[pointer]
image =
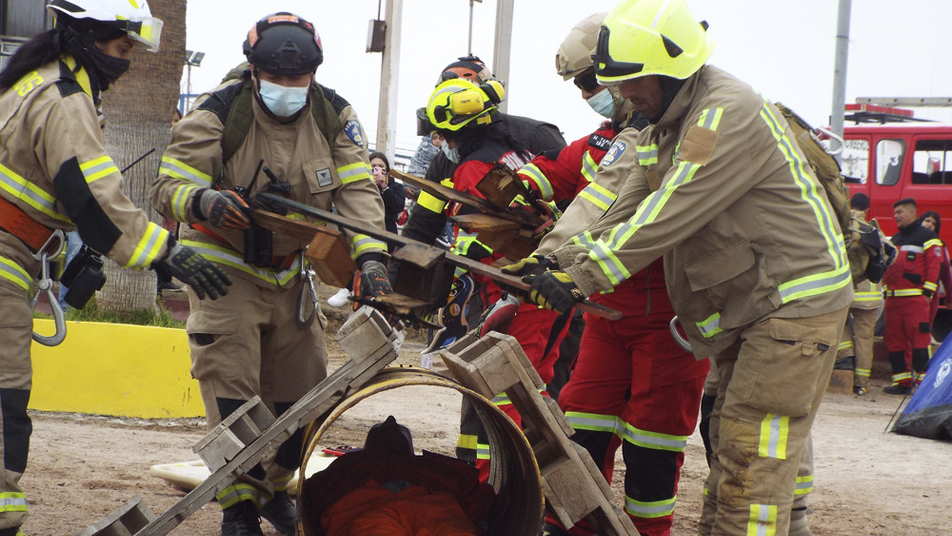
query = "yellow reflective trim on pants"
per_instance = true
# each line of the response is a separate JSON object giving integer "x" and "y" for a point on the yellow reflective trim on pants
{"x": 862, "y": 372}
{"x": 149, "y": 247}
{"x": 98, "y": 168}
{"x": 763, "y": 520}
{"x": 354, "y": 172}
{"x": 650, "y": 509}
{"x": 182, "y": 171}
{"x": 774, "y": 432}
{"x": 655, "y": 440}
{"x": 845, "y": 345}
{"x": 804, "y": 485}
{"x": 12, "y": 271}
{"x": 13, "y": 501}
{"x": 430, "y": 202}
{"x": 237, "y": 492}
{"x": 902, "y": 376}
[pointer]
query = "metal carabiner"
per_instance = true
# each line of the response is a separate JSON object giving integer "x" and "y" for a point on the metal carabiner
{"x": 682, "y": 342}
{"x": 51, "y": 249}
{"x": 305, "y": 319}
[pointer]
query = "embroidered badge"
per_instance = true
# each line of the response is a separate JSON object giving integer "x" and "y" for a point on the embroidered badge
{"x": 353, "y": 131}
{"x": 614, "y": 153}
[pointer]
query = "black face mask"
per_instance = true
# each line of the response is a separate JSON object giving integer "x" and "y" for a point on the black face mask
{"x": 107, "y": 69}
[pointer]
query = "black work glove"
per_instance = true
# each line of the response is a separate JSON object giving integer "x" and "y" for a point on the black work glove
{"x": 192, "y": 269}
{"x": 225, "y": 209}
{"x": 530, "y": 266}
{"x": 373, "y": 279}
{"x": 555, "y": 290}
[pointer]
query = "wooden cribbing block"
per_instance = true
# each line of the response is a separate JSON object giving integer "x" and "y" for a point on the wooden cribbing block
{"x": 234, "y": 433}
{"x": 364, "y": 332}
{"x": 123, "y": 521}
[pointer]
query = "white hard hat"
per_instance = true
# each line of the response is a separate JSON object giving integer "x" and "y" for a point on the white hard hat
{"x": 130, "y": 16}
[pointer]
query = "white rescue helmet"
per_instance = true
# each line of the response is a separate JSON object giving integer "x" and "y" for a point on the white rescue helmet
{"x": 131, "y": 16}
{"x": 575, "y": 54}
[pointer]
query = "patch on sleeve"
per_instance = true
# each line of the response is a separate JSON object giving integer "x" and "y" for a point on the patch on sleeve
{"x": 698, "y": 145}
{"x": 354, "y": 132}
{"x": 599, "y": 142}
{"x": 614, "y": 153}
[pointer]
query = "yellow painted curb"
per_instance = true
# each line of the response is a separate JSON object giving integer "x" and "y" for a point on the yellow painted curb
{"x": 115, "y": 369}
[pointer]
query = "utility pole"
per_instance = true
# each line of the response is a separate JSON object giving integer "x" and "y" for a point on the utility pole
{"x": 389, "y": 75}
{"x": 839, "y": 69}
{"x": 503, "y": 44}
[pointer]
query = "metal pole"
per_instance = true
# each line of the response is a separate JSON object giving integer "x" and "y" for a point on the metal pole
{"x": 469, "y": 44}
{"x": 839, "y": 70}
{"x": 503, "y": 43}
{"x": 389, "y": 71}
{"x": 188, "y": 88}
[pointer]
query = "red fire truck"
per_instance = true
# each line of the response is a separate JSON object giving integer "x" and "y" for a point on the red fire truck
{"x": 890, "y": 155}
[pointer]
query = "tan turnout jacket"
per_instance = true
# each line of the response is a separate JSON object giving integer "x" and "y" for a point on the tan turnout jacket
{"x": 320, "y": 176}
{"x": 54, "y": 168}
{"x": 725, "y": 194}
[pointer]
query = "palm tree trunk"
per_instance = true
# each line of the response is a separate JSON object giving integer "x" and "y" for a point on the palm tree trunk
{"x": 139, "y": 110}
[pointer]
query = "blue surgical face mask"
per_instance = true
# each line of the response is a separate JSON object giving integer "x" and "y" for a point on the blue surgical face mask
{"x": 603, "y": 103}
{"x": 283, "y": 101}
{"x": 451, "y": 154}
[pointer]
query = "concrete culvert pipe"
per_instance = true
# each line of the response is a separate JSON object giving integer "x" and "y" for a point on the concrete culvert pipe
{"x": 518, "y": 506}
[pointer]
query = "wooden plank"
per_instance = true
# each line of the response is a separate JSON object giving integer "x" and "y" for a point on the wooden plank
{"x": 123, "y": 521}
{"x": 484, "y": 222}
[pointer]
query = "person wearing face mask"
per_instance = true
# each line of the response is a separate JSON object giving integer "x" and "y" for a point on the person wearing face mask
{"x": 57, "y": 176}
{"x": 310, "y": 148}
{"x": 629, "y": 374}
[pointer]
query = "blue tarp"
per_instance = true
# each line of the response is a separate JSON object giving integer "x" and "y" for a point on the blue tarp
{"x": 929, "y": 413}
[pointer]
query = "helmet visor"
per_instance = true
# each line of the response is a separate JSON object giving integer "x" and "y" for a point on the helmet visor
{"x": 145, "y": 30}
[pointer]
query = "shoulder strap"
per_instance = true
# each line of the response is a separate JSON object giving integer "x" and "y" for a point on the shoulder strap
{"x": 233, "y": 106}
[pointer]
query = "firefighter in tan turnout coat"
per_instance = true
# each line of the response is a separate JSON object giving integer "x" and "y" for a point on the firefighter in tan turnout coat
{"x": 309, "y": 147}
{"x": 55, "y": 175}
{"x": 753, "y": 258}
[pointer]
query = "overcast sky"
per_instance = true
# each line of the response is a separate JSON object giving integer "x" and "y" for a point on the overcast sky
{"x": 785, "y": 49}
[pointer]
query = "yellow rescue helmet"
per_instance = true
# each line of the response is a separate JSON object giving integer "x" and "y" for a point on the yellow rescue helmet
{"x": 459, "y": 102}
{"x": 650, "y": 37}
{"x": 575, "y": 54}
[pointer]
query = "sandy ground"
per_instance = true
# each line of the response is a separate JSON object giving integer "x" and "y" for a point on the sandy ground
{"x": 868, "y": 482}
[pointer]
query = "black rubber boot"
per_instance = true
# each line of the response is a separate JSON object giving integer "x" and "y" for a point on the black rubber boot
{"x": 280, "y": 512}
{"x": 241, "y": 520}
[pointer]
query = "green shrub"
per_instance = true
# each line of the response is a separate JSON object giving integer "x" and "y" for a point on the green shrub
{"x": 91, "y": 313}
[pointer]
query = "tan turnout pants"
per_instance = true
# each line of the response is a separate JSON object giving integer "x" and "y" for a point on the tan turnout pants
{"x": 772, "y": 381}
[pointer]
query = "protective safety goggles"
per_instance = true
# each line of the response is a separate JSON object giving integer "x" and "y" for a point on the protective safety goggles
{"x": 147, "y": 31}
{"x": 586, "y": 81}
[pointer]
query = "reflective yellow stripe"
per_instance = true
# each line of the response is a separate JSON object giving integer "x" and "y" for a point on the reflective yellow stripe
{"x": 589, "y": 166}
{"x": 804, "y": 485}
{"x": 862, "y": 372}
{"x": 535, "y": 175}
{"x": 774, "y": 431}
{"x": 98, "y": 168}
{"x": 233, "y": 259}
{"x": 431, "y": 203}
{"x": 149, "y": 247}
{"x": 354, "y": 172}
{"x": 845, "y": 345}
{"x": 31, "y": 194}
{"x": 902, "y": 376}
{"x": 239, "y": 491}
{"x": 12, "y": 271}
{"x": 647, "y": 154}
{"x": 12, "y": 501}
{"x": 361, "y": 244}
{"x": 813, "y": 285}
{"x": 82, "y": 77}
{"x": 710, "y": 326}
{"x": 763, "y": 520}
{"x": 932, "y": 243}
{"x": 650, "y": 509}
{"x": 182, "y": 171}
{"x": 808, "y": 186}
{"x": 710, "y": 118}
{"x": 598, "y": 196}
{"x": 929, "y": 285}
{"x": 868, "y": 296}
{"x": 180, "y": 201}
{"x": 466, "y": 441}
{"x": 904, "y": 292}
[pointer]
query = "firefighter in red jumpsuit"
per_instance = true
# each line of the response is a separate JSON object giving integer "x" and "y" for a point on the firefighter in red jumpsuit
{"x": 910, "y": 283}
{"x": 632, "y": 385}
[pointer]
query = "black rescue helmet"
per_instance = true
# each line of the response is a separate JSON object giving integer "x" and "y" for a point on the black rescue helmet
{"x": 284, "y": 44}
